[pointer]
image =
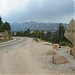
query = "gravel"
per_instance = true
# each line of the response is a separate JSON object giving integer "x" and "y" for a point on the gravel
{"x": 68, "y": 68}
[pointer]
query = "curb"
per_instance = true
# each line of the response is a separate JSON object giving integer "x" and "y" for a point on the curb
{"x": 8, "y": 41}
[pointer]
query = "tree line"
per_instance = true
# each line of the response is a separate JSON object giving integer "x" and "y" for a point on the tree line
{"x": 4, "y": 26}
{"x": 53, "y": 37}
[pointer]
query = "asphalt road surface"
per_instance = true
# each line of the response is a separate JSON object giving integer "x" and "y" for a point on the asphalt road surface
{"x": 16, "y": 57}
{"x": 12, "y": 44}
{"x": 11, "y": 61}
{"x": 22, "y": 57}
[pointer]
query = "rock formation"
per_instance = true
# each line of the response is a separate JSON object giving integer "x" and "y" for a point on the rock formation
{"x": 70, "y": 34}
{"x": 4, "y": 36}
{"x": 56, "y": 59}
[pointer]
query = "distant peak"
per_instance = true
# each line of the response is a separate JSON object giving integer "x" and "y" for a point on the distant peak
{"x": 33, "y": 22}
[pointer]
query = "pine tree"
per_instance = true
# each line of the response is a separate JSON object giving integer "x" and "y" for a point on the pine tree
{"x": 61, "y": 31}
{"x": 6, "y": 26}
{"x": 48, "y": 36}
{"x": 28, "y": 32}
{"x": 1, "y": 23}
{"x": 42, "y": 34}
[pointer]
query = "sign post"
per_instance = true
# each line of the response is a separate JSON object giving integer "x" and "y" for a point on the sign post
{"x": 70, "y": 34}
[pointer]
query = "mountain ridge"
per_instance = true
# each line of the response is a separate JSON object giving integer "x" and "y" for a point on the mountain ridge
{"x": 32, "y": 25}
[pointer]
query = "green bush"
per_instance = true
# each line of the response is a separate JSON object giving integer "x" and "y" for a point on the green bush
{"x": 64, "y": 43}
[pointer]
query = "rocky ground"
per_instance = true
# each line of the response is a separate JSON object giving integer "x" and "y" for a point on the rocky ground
{"x": 42, "y": 48}
{"x": 30, "y": 58}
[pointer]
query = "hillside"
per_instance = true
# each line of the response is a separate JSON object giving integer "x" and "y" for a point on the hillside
{"x": 35, "y": 26}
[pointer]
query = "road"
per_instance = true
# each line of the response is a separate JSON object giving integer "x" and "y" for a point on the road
{"x": 12, "y": 44}
{"x": 17, "y": 58}
{"x": 11, "y": 61}
{"x": 24, "y": 56}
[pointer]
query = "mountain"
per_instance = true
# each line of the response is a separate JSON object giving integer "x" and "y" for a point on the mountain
{"x": 35, "y": 26}
{"x": 15, "y": 26}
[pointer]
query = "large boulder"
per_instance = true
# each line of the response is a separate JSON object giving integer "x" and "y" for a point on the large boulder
{"x": 56, "y": 59}
{"x": 4, "y": 36}
{"x": 70, "y": 34}
{"x": 73, "y": 51}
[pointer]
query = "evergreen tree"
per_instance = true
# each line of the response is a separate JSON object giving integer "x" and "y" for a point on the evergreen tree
{"x": 1, "y": 24}
{"x": 61, "y": 31}
{"x": 42, "y": 34}
{"x": 28, "y": 32}
{"x": 48, "y": 36}
{"x": 6, "y": 26}
{"x": 17, "y": 33}
{"x": 25, "y": 33}
{"x": 54, "y": 37}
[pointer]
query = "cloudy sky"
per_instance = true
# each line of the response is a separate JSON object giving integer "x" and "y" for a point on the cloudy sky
{"x": 37, "y": 10}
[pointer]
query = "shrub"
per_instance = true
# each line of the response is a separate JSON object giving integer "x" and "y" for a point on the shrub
{"x": 64, "y": 43}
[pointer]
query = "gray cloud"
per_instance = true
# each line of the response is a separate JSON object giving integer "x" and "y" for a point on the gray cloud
{"x": 44, "y": 11}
